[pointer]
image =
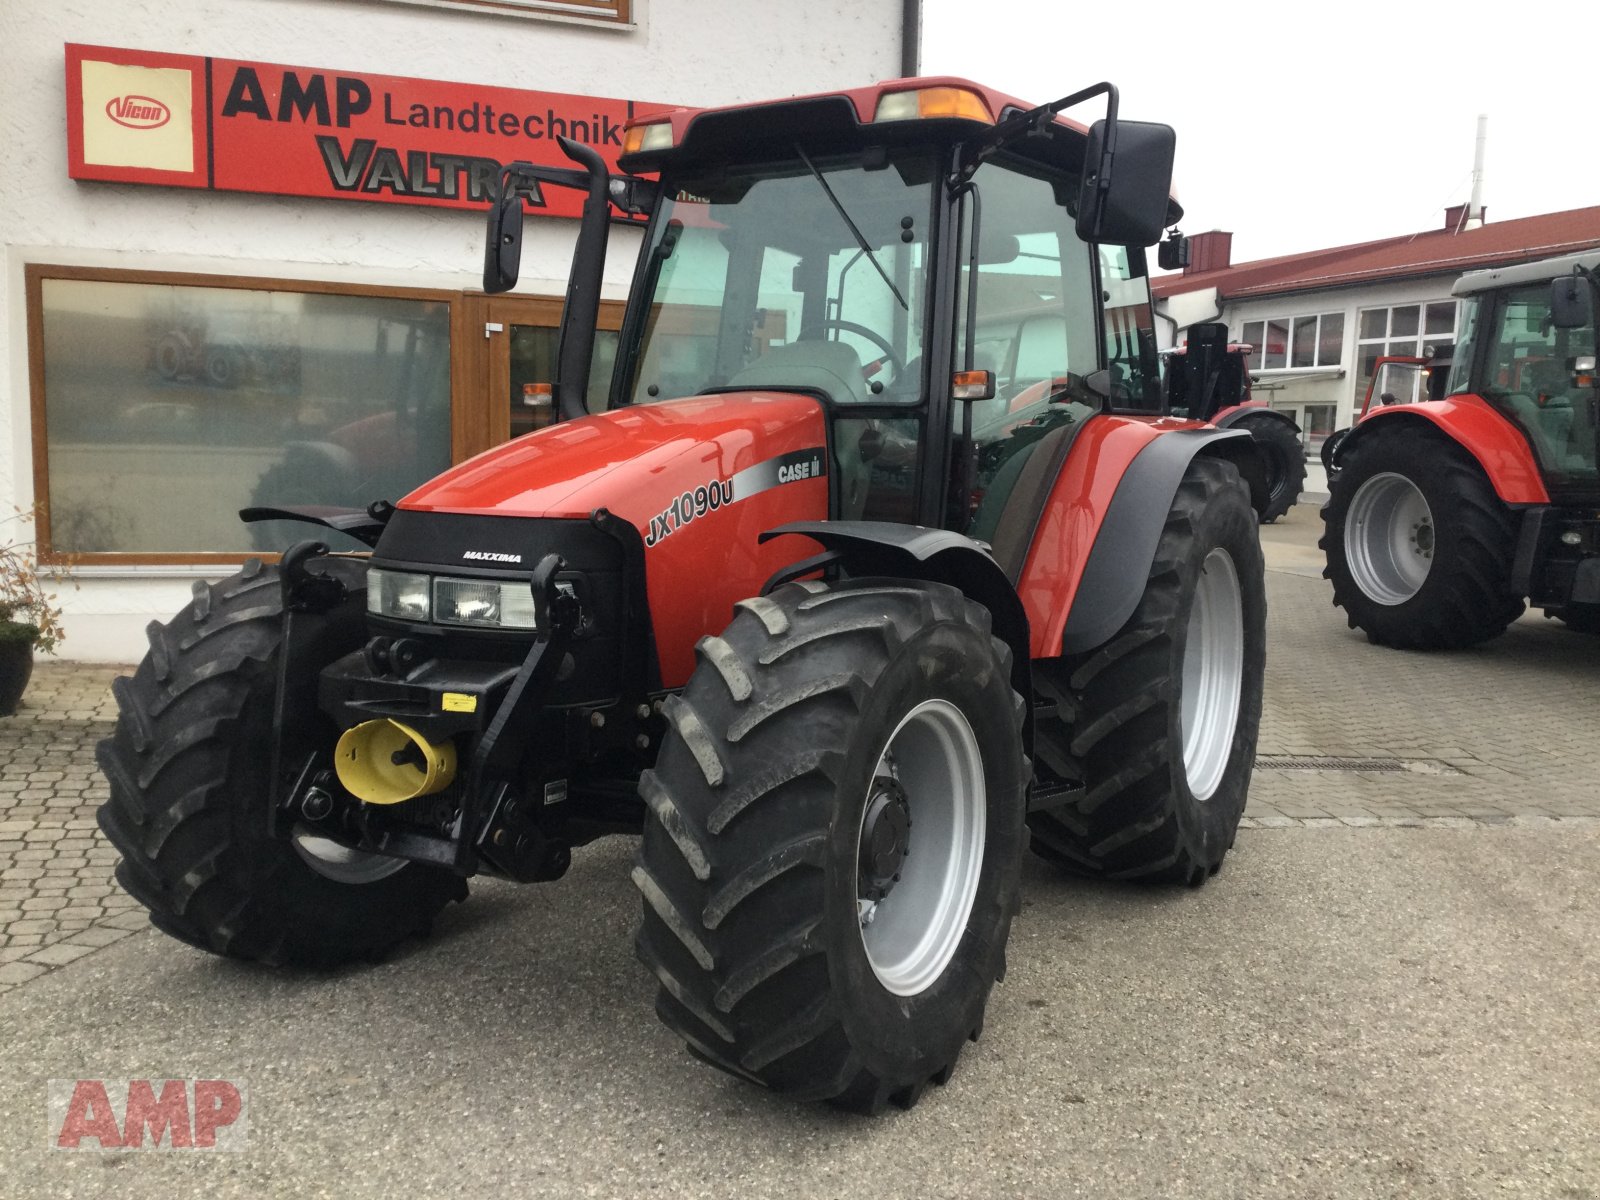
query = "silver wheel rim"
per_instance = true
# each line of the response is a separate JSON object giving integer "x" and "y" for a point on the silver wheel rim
{"x": 912, "y": 933}
{"x": 1213, "y": 674}
{"x": 1389, "y": 539}
{"x": 340, "y": 863}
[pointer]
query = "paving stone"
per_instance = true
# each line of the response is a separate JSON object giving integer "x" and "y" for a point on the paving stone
{"x": 20, "y": 972}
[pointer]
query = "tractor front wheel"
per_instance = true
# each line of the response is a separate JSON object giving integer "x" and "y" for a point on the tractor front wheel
{"x": 830, "y": 865}
{"x": 1418, "y": 545}
{"x": 188, "y": 765}
{"x": 1160, "y": 722}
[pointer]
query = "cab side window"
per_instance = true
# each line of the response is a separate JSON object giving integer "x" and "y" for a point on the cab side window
{"x": 1130, "y": 330}
{"x": 1035, "y": 328}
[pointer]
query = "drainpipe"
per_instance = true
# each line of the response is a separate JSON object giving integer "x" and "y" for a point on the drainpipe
{"x": 910, "y": 37}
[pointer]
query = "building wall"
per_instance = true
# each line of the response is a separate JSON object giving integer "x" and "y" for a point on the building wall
{"x": 1319, "y": 385}
{"x": 694, "y": 52}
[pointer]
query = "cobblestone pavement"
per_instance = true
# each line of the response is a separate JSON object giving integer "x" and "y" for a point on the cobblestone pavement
{"x": 1503, "y": 734}
{"x": 58, "y": 901}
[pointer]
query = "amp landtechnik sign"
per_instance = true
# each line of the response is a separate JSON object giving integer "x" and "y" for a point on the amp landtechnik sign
{"x": 181, "y": 120}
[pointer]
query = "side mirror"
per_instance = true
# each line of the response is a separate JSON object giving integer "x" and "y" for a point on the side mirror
{"x": 1570, "y": 306}
{"x": 1126, "y": 205}
{"x": 1173, "y": 254}
{"x": 502, "y": 247}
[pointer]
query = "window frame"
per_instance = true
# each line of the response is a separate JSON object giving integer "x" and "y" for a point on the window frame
{"x": 1420, "y": 341}
{"x": 1291, "y": 324}
{"x": 463, "y": 426}
{"x": 613, "y": 14}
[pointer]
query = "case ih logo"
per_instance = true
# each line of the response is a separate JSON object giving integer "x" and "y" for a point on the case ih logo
{"x": 138, "y": 112}
{"x": 148, "y": 1114}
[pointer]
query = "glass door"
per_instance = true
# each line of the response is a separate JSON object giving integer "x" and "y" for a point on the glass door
{"x": 519, "y": 364}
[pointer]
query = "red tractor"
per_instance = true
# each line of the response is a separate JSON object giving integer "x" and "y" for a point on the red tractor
{"x": 1447, "y": 515}
{"x": 818, "y": 604}
{"x": 1208, "y": 379}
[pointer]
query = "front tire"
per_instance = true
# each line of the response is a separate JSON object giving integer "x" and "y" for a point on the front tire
{"x": 1286, "y": 463}
{"x": 830, "y": 866}
{"x": 188, "y": 766}
{"x": 1418, "y": 546}
{"x": 1160, "y": 722}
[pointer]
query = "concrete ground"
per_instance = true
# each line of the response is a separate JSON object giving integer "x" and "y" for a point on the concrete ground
{"x": 1387, "y": 992}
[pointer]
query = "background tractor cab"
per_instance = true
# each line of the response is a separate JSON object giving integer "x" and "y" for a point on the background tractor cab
{"x": 1208, "y": 379}
{"x": 1396, "y": 379}
{"x": 881, "y": 562}
{"x": 1449, "y": 512}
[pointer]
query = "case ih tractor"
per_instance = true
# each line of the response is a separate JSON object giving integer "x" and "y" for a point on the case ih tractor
{"x": 838, "y": 619}
{"x": 1208, "y": 379}
{"x": 1445, "y": 516}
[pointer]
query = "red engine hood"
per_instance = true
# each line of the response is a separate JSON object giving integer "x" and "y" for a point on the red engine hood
{"x": 619, "y": 460}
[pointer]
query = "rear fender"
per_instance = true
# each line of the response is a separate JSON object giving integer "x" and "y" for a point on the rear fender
{"x": 1498, "y": 445}
{"x": 1114, "y": 499}
{"x": 936, "y": 555}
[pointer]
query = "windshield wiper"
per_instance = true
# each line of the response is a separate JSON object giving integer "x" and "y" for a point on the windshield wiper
{"x": 845, "y": 217}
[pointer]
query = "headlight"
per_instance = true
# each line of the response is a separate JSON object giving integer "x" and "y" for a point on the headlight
{"x": 398, "y": 594}
{"x": 483, "y": 602}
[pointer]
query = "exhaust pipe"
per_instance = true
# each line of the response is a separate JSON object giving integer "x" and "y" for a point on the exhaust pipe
{"x": 385, "y": 762}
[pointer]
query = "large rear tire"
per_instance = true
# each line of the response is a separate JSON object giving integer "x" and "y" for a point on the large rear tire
{"x": 1160, "y": 722}
{"x": 1418, "y": 546}
{"x": 1286, "y": 463}
{"x": 188, "y": 767}
{"x": 830, "y": 866}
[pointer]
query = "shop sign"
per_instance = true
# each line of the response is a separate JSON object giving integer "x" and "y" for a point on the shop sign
{"x": 180, "y": 120}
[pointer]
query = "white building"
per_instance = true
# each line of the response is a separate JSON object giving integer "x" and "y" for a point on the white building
{"x": 1320, "y": 319}
{"x": 243, "y": 240}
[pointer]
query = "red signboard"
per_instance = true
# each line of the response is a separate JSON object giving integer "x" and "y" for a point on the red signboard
{"x": 136, "y": 116}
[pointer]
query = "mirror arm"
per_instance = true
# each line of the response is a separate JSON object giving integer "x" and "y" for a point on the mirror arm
{"x": 971, "y": 155}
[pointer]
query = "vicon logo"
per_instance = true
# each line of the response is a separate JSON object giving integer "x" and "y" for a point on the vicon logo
{"x": 138, "y": 112}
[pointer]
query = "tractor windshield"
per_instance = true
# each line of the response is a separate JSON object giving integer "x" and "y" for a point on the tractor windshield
{"x": 806, "y": 273}
{"x": 1543, "y": 378}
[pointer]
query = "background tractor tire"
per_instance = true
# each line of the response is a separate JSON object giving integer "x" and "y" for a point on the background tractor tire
{"x": 752, "y": 864}
{"x": 1286, "y": 463}
{"x": 188, "y": 766}
{"x": 1419, "y": 548}
{"x": 1160, "y": 722}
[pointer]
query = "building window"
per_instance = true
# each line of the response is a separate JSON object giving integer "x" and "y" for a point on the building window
{"x": 1295, "y": 342}
{"x": 165, "y": 404}
{"x": 608, "y": 12}
{"x": 1405, "y": 329}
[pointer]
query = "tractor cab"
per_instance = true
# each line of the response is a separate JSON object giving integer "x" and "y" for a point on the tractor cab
{"x": 1530, "y": 352}
{"x": 928, "y": 261}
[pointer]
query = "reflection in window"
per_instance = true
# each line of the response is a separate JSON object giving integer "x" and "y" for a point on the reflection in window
{"x": 169, "y": 408}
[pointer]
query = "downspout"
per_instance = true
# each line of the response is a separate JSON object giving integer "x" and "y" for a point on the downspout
{"x": 910, "y": 37}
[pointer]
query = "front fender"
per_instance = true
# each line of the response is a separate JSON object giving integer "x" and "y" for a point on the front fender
{"x": 936, "y": 555}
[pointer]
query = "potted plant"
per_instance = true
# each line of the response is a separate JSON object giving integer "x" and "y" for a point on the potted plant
{"x": 29, "y": 617}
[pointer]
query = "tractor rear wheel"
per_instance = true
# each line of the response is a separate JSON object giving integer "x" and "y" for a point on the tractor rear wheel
{"x": 1286, "y": 463}
{"x": 830, "y": 864}
{"x": 1160, "y": 722}
{"x": 188, "y": 769}
{"x": 1418, "y": 546}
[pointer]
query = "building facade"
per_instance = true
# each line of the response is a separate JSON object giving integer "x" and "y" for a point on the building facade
{"x": 1320, "y": 320}
{"x": 243, "y": 240}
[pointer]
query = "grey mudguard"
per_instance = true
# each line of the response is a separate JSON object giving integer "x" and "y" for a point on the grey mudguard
{"x": 939, "y": 555}
{"x": 1119, "y": 563}
{"x": 1229, "y": 420}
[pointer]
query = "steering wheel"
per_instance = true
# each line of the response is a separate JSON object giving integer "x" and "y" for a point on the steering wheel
{"x": 890, "y": 358}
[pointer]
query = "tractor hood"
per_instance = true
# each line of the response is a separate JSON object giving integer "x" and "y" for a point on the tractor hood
{"x": 695, "y": 455}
